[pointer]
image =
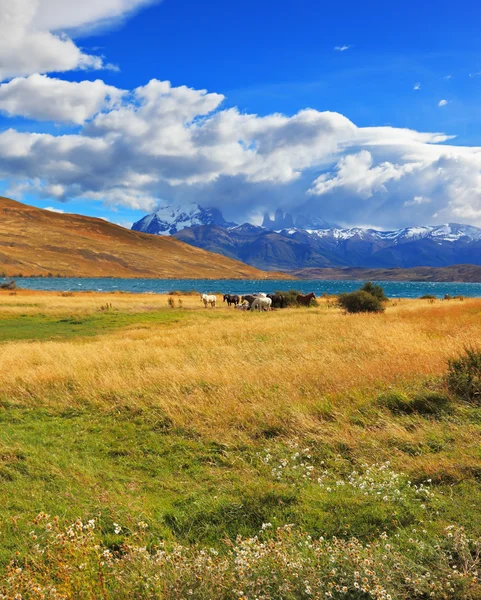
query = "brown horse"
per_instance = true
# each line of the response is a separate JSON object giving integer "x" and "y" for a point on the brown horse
{"x": 305, "y": 300}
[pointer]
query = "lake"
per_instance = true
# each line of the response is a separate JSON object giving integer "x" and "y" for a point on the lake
{"x": 394, "y": 289}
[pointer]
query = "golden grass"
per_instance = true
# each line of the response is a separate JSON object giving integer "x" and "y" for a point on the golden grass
{"x": 232, "y": 375}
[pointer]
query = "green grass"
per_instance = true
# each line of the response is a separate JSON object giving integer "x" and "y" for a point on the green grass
{"x": 128, "y": 467}
{"x": 67, "y": 326}
{"x": 131, "y": 466}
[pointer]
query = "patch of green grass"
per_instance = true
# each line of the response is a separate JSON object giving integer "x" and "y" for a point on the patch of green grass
{"x": 126, "y": 467}
{"x": 63, "y": 327}
{"x": 132, "y": 465}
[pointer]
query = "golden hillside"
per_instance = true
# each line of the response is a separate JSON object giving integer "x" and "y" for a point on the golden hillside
{"x": 38, "y": 242}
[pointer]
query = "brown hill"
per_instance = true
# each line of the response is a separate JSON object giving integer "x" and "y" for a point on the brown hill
{"x": 459, "y": 273}
{"x": 39, "y": 242}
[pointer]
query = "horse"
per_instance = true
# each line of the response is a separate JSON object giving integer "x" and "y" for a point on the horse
{"x": 248, "y": 298}
{"x": 278, "y": 300}
{"x": 242, "y": 307}
{"x": 208, "y": 299}
{"x": 261, "y": 303}
{"x": 305, "y": 300}
{"x": 231, "y": 299}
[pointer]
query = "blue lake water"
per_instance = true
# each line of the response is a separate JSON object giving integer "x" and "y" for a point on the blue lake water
{"x": 394, "y": 289}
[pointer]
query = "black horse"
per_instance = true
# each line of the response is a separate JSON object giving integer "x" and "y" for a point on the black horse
{"x": 231, "y": 299}
{"x": 248, "y": 298}
{"x": 278, "y": 300}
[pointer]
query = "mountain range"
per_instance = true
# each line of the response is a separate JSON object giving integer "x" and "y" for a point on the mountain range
{"x": 289, "y": 244}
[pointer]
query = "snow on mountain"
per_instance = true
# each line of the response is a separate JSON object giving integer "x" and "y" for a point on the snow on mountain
{"x": 169, "y": 219}
{"x": 450, "y": 232}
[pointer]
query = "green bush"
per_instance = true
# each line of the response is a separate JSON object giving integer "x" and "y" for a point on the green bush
{"x": 464, "y": 376}
{"x": 360, "y": 301}
{"x": 374, "y": 290}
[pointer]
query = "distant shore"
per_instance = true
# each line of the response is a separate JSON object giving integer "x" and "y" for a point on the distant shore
{"x": 452, "y": 274}
{"x": 466, "y": 273}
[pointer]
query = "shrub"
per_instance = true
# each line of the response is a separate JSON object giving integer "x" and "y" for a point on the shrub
{"x": 290, "y": 296}
{"x": 374, "y": 290}
{"x": 464, "y": 376}
{"x": 430, "y": 297}
{"x": 360, "y": 301}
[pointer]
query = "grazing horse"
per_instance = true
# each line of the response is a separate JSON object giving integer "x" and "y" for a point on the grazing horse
{"x": 242, "y": 307}
{"x": 231, "y": 299}
{"x": 278, "y": 300}
{"x": 208, "y": 299}
{"x": 248, "y": 298}
{"x": 305, "y": 300}
{"x": 261, "y": 303}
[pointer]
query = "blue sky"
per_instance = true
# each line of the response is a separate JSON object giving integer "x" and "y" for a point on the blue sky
{"x": 409, "y": 65}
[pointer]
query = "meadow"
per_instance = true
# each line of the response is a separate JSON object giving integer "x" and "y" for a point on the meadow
{"x": 156, "y": 452}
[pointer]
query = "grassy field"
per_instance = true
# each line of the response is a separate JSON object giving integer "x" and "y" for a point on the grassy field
{"x": 178, "y": 430}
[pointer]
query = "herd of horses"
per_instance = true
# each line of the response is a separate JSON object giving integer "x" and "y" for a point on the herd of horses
{"x": 258, "y": 302}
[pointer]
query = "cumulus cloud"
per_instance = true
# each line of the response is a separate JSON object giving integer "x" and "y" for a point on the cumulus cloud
{"x": 341, "y": 48}
{"x": 417, "y": 86}
{"x": 160, "y": 142}
{"x": 44, "y": 99}
{"x": 33, "y": 33}
{"x": 357, "y": 173}
{"x": 442, "y": 103}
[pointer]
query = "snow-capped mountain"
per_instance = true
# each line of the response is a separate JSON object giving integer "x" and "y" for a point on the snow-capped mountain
{"x": 450, "y": 232}
{"x": 170, "y": 219}
{"x": 307, "y": 242}
{"x": 296, "y": 248}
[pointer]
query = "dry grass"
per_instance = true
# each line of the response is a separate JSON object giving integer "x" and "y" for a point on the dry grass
{"x": 206, "y": 424}
{"x": 230, "y": 375}
{"x": 38, "y": 242}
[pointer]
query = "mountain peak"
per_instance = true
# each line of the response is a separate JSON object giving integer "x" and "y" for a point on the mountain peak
{"x": 280, "y": 220}
{"x": 169, "y": 219}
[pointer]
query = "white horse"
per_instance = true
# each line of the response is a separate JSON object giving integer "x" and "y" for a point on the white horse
{"x": 208, "y": 299}
{"x": 242, "y": 306}
{"x": 261, "y": 303}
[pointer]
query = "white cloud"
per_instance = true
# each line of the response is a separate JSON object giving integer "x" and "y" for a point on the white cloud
{"x": 65, "y": 15}
{"x": 417, "y": 86}
{"x": 44, "y": 99}
{"x": 341, "y": 48}
{"x": 33, "y": 38}
{"x": 357, "y": 174}
{"x": 160, "y": 142}
{"x": 417, "y": 200}
{"x": 442, "y": 103}
{"x": 55, "y": 210}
